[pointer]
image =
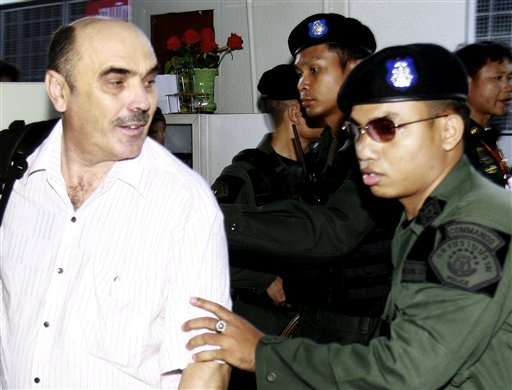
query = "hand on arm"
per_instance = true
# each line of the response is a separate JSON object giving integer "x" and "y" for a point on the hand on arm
{"x": 237, "y": 343}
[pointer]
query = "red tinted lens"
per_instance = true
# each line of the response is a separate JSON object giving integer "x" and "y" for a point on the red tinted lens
{"x": 381, "y": 129}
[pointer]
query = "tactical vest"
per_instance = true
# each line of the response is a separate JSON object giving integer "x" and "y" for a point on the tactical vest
{"x": 271, "y": 179}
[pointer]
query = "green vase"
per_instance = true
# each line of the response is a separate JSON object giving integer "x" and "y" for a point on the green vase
{"x": 204, "y": 89}
{"x": 186, "y": 90}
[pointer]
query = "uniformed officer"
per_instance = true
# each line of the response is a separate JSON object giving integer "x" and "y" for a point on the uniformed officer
{"x": 449, "y": 308}
{"x": 272, "y": 171}
{"x": 341, "y": 247}
{"x": 489, "y": 68}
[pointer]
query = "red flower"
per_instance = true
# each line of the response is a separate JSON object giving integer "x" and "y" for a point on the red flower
{"x": 235, "y": 42}
{"x": 173, "y": 43}
{"x": 198, "y": 49}
{"x": 208, "y": 47}
{"x": 208, "y": 44}
{"x": 207, "y": 34}
{"x": 191, "y": 37}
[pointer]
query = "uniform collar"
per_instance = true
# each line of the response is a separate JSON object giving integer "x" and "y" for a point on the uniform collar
{"x": 457, "y": 182}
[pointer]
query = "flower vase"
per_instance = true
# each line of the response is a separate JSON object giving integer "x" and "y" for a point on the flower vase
{"x": 204, "y": 89}
{"x": 186, "y": 90}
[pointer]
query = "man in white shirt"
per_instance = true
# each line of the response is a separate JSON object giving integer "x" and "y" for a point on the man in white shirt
{"x": 107, "y": 235}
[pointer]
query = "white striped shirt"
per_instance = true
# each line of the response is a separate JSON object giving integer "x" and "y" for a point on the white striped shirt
{"x": 96, "y": 297}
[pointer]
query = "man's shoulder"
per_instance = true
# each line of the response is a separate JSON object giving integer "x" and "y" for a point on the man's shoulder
{"x": 168, "y": 170}
{"x": 487, "y": 203}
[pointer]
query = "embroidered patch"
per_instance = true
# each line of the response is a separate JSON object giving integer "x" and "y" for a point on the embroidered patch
{"x": 318, "y": 28}
{"x": 401, "y": 73}
{"x": 226, "y": 188}
{"x": 430, "y": 210}
{"x": 467, "y": 258}
{"x": 414, "y": 272}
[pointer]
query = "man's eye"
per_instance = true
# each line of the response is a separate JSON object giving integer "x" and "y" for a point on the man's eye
{"x": 315, "y": 69}
{"x": 115, "y": 82}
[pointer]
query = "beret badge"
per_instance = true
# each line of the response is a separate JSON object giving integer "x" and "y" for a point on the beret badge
{"x": 318, "y": 28}
{"x": 401, "y": 73}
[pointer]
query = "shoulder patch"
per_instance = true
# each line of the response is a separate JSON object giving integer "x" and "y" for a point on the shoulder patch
{"x": 470, "y": 257}
{"x": 226, "y": 188}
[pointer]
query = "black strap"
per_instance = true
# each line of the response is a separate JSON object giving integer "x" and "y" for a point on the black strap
{"x": 16, "y": 144}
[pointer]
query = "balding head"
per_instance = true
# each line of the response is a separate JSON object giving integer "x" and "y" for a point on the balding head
{"x": 68, "y": 42}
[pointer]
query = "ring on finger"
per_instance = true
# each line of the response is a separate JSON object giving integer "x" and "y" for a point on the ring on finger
{"x": 220, "y": 326}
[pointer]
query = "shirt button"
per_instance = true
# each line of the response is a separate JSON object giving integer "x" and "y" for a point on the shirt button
{"x": 233, "y": 227}
{"x": 60, "y": 270}
{"x": 37, "y": 380}
{"x": 271, "y": 376}
{"x": 46, "y": 324}
{"x": 73, "y": 219}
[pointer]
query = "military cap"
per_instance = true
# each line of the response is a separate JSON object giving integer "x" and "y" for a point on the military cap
{"x": 331, "y": 28}
{"x": 279, "y": 83}
{"x": 420, "y": 71}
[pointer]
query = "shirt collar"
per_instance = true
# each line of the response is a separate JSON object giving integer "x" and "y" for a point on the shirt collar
{"x": 48, "y": 158}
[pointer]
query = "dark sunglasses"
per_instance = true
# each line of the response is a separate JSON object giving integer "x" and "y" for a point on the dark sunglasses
{"x": 380, "y": 129}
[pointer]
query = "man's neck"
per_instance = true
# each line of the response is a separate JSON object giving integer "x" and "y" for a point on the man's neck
{"x": 283, "y": 143}
{"x": 483, "y": 120}
{"x": 335, "y": 122}
{"x": 81, "y": 177}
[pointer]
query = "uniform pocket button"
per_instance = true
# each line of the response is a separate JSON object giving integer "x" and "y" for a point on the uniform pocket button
{"x": 271, "y": 377}
{"x": 233, "y": 227}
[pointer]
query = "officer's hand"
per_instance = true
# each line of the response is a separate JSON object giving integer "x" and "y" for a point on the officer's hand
{"x": 237, "y": 339}
{"x": 276, "y": 292}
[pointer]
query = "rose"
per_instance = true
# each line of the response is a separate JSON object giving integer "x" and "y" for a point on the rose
{"x": 208, "y": 44}
{"x": 191, "y": 37}
{"x": 207, "y": 34}
{"x": 198, "y": 49}
{"x": 235, "y": 42}
{"x": 173, "y": 43}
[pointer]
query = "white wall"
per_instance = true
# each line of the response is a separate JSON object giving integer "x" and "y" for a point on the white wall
{"x": 24, "y": 101}
{"x": 265, "y": 25}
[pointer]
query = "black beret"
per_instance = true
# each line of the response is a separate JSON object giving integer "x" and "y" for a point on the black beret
{"x": 279, "y": 83}
{"x": 331, "y": 28}
{"x": 419, "y": 71}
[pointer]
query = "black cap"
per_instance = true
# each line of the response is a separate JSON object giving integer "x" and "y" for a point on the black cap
{"x": 419, "y": 71}
{"x": 279, "y": 83}
{"x": 331, "y": 28}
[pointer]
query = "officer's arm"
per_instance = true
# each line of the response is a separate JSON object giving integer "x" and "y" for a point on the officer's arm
{"x": 436, "y": 338}
{"x": 293, "y": 229}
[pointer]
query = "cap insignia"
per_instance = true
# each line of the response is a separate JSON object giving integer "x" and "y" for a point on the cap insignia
{"x": 318, "y": 28}
{"x": 401, "y": 73}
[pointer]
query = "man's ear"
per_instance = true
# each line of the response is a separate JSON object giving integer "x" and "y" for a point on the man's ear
{"x": 452, "y": 132}
{"x": 293, "y": 112}
{"x": 57, "y": 89}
